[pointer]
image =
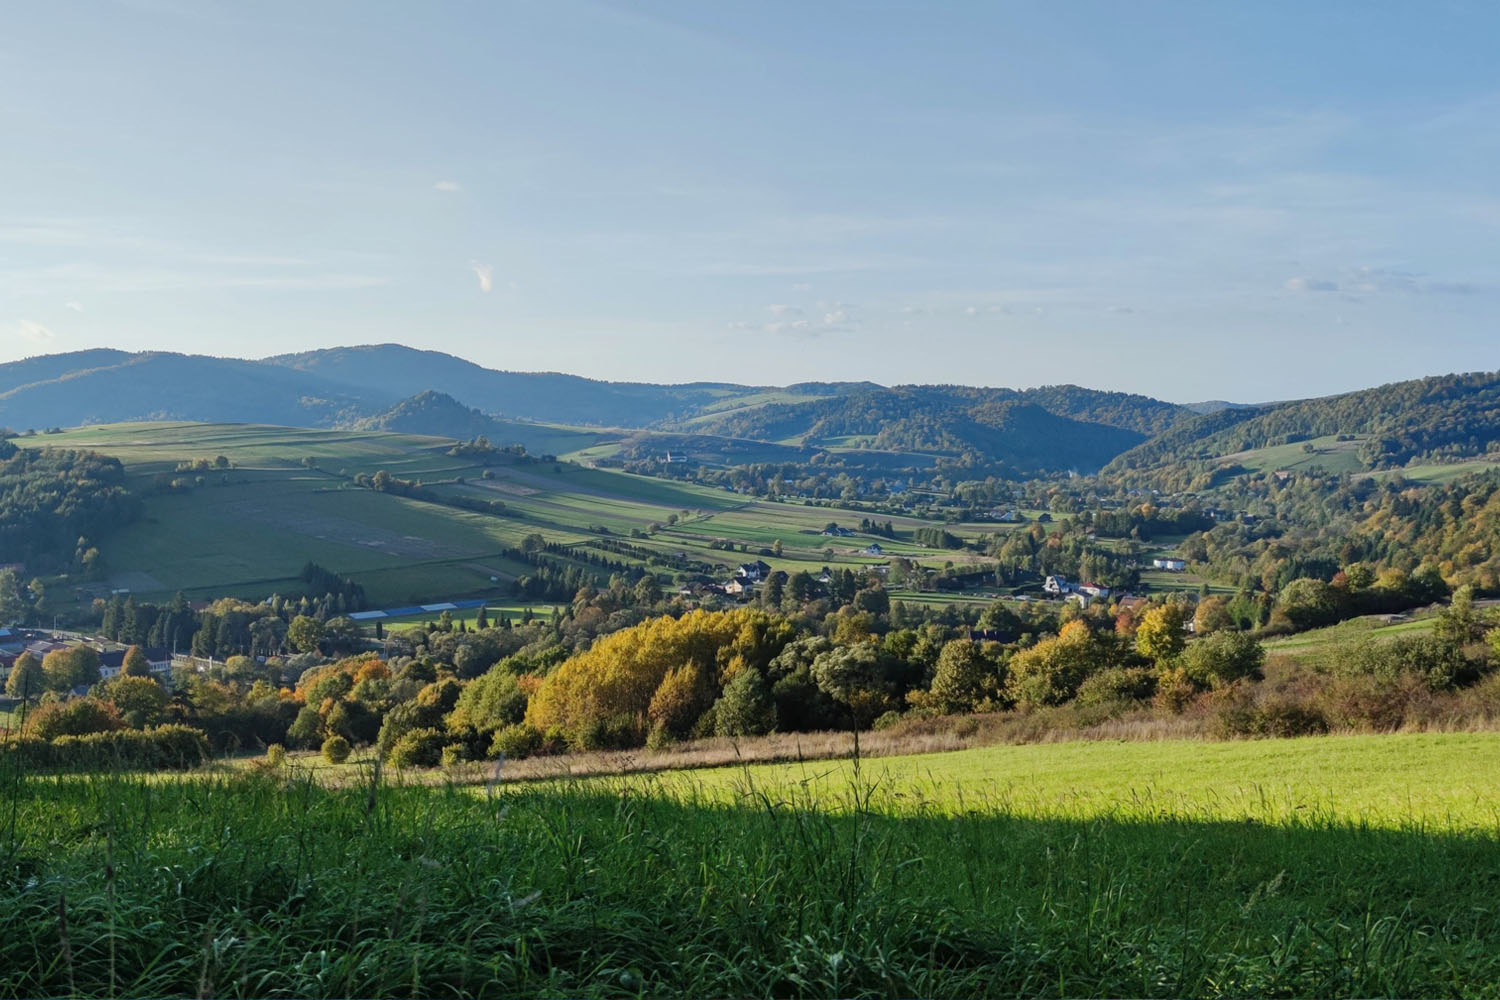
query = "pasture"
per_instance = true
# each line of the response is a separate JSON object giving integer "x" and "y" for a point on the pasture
{"x": 1341, "y": 866}
{"x": 287, "y": 497}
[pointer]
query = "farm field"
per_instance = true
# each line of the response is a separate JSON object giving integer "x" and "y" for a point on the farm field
{"x": 287, "y": 498}
{"x": 1320, "y": 647}
{"x": 1336, "y": 866}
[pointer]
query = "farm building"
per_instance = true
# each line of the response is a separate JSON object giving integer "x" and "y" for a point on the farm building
{"x": 1170, "y": 565}
{"x": 753, "y": 572}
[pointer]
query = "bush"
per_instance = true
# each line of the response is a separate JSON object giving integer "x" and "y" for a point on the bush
{"x": 1175, "y": 691}
{"x": 516, "y": 742}
{"x": 454, "y": 754}
{"x": 1117, "y": 686}
{"x": 275, "y": 755}
{"x": 158, "y": 749}
{"x": 1223, "y": 658}
{"x": 418, "y": 748}
{"x": 1441, "y": 665}
{"x": 336, "y": 749}
{"x": 1275, "y": 718}
{"x": 76, "y": 717}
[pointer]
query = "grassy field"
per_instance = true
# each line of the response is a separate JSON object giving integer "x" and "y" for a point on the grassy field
{"x": 1321, "y": 646}
{"x": 288, "y": 498}
{"x": 1329, "y": 454}
{"x": 1319, "y": 867}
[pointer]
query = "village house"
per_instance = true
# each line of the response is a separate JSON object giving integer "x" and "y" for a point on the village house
{"x": 753, "y": 572}
{"x": 112, "y": 661}
{"x": 1057, "y": 586}
{"x": 1169, "y": 564}
{"x": 873, "y": 549}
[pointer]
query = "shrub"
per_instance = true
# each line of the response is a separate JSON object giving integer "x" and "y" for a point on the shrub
{"x": 1222, "y": 658}
{"x": 516, "y": 742}
{"x": 1272, "y": 718}
{"x": 1175, "y": 691}
{"x": 1117, "y": 686}
{"x": 660, "y": 738}
{"x": 454, "y": 754}
{"x": 275, "y": 755}
{"x": 161, "y": 748}
{"x": 1441, "y": 665}
{"x": 745, "y": 708}
{"x": 336, "y": 749}
{"x": 418, "y": 748}
{"x": 77, "y": 717}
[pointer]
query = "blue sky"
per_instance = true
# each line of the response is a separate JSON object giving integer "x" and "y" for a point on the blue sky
{"x": 1190, "y": 200}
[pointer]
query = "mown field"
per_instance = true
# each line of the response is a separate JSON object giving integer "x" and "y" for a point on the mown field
{"x": 288, "y": 498}
{"x": 1319, "y": 867}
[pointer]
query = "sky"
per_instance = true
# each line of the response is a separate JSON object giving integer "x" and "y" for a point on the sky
{"x": 1243, "y": 201}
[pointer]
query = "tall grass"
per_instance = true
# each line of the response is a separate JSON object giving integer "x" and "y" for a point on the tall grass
{"x": 267, "y": 885}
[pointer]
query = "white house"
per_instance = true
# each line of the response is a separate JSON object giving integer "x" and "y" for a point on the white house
{"x": 1057, "y": 586}
{"x": 1170, "y": 565}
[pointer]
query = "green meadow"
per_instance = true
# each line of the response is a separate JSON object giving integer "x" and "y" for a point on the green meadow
{"x": 1329, "y": 867}
{"x": 288, "y": 497}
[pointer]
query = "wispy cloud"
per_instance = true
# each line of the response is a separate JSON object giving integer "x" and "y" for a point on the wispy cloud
{"x": 1362, "y": 281}
{"x": 448, "y": 186}
{"x": 794, "y": 321}
{"x": 486, "y": 275}
{"x": 30, "y": 330}
{"x": 1304, "y": 284}
{"x": 75, "y": 306}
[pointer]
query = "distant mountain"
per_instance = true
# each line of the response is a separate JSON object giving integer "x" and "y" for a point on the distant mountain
{"x": 1441, "y": 417}
{"x": 1063, "y": 427}
{"x": 51, "y": 366}
{"x": 398, "y": 372}
{"x": 1215, "y": 405}
{"x": 108, "y": 387}
{"x": 1052, "y": 428}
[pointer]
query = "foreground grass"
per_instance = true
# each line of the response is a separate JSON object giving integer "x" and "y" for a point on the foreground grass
{"x": 773, "y": 882}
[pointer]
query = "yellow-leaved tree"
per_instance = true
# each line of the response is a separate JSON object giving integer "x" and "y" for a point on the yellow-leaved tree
{"x": 608, "y": 694}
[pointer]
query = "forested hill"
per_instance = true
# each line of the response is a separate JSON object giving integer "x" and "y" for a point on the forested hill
{"x": 97, "y": 387}
{"x": 1439, "y": 418}
{"x": 397, "y": 372}
{"x": 1052, "y": 427}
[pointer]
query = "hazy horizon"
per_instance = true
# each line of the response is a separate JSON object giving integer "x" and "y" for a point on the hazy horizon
{"x": 1185, "y": 201}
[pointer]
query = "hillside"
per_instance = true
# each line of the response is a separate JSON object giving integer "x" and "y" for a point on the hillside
{"x": 1440, "y": 418}
{"x": 400, "y": 371}
{"x": 448, "y": 524}
{"x": 1054, "y": 428}
{"x": 108, "y": 387}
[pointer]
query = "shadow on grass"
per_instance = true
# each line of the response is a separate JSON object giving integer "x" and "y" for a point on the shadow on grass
{"x": 248, "y": 886}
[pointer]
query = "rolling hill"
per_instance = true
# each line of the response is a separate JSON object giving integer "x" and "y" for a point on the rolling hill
{"x": 1441, "y": 418}
{"x": 391, "y": 387}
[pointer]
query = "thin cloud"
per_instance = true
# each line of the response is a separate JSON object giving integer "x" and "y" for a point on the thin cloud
{"x": 75, "y": 306}
{"x": 1302, "y": 284}
{"x": 486, "y": 276}
{"x": 448, "y": 186}
{"x": 33, "y": 331}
